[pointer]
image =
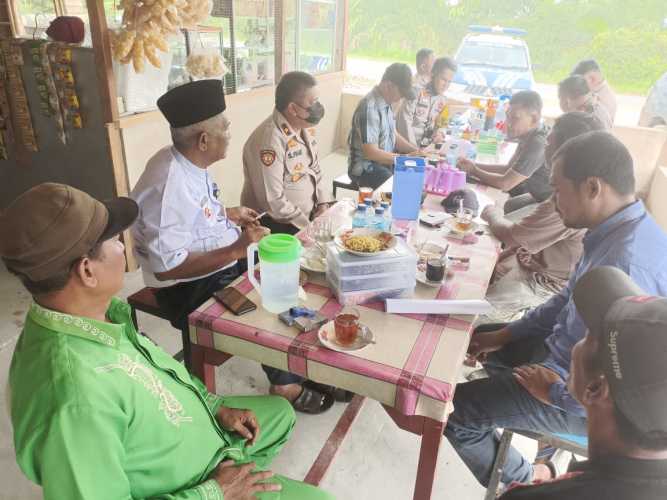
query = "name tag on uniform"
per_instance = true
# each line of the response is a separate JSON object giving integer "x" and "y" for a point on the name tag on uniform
{"x": 294, "y": 154}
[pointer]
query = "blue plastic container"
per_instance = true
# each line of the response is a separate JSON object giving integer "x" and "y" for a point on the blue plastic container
{"x": 408, "y": 185}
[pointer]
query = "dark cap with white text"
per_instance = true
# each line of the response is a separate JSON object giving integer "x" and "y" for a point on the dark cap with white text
{"x": 632, "y": 328}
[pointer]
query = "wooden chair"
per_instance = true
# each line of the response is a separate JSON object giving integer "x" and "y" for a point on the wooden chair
{"x": 344, "y": 182}
{"x": 569, "y": 442}
{"x": 145, "y": 301}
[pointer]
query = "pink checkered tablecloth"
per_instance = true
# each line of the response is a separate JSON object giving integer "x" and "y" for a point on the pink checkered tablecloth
{"x": 417, "y": 359}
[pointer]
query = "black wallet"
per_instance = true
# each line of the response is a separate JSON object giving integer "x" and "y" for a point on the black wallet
{"x": 234, "y": 300}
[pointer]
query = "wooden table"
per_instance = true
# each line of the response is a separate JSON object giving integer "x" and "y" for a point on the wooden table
{"x": 413, "y": 368}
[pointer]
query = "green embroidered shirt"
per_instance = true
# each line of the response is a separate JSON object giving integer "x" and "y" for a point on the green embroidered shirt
{"x": 100, "y": 413}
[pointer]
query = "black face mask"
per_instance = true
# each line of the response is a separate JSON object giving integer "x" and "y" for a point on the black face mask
{"x": 315, "y": 112}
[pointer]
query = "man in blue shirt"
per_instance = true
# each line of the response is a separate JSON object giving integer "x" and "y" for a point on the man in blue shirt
{"x": 373, "y": 139}
{"x": 528, "y": 360}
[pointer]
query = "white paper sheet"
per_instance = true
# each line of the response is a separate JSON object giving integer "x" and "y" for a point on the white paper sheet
{"x": 472, "y": 307}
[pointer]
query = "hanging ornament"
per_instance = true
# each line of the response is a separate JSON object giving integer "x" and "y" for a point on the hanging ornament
{"x": 60, "y": 56}
{"x": 49, "y": 101}
{"x": 205, "y": 62}
{"x": 17, "y": 97}
{"x": 147, "y": 24}
{"x": 5, "y": 110}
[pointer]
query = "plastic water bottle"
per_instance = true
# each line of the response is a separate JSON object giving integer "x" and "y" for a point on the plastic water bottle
{"x": 387, "y": 215}
{"x": 368, "y": 202}
{"x": 471, "y": 151}
{"x": 501, "y": 118}
{"x": 360, "y": 218}
{"x": 453, "y": 154}
{"x": 377, "y": 222}
{"x": 387, "y": 209}
{"x": 456, "y": 126}
{"x": 477, "y": 119}
{"x": 490, "y": 119}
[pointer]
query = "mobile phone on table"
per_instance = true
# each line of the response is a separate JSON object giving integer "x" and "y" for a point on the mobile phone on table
{"x": 433, "y": 219}
{"x": 234, "y": 300}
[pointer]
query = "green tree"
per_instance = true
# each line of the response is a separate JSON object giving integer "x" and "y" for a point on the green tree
{"x": 624, "y": 36}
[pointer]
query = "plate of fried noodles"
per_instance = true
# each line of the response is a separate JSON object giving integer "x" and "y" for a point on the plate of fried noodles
{"x": 365, "y": 242}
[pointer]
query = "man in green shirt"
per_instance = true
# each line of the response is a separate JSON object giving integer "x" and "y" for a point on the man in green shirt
{"x": 99, "y": 412}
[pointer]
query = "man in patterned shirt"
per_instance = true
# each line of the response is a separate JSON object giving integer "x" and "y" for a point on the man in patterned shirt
{"x": 373, "y": 140}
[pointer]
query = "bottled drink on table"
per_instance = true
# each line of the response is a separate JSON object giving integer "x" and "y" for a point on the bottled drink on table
{"x": 369, "y": 207}
{"x": 456, "y": 126}
{"x": 490, "y": 120}
{"x": 476, "y": 123}
{"x": 378, "y": 222}
{"x": 387, "y": 210}
{"x": 360, "y": 219}
{"x": 453, "y": 154}
{"x": 501, "y": 118}
{"x": 443, "y": 118}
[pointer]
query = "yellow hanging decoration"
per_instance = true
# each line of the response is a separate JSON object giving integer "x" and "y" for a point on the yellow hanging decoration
{"x": 148, "y": 23}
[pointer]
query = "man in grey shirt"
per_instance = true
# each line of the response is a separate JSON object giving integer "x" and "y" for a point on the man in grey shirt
{"x": 373, "y": 140}
{"x": 526, "y": 178}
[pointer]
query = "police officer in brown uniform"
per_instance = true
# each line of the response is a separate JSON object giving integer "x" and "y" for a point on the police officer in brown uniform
{"x": 281, "y": 167}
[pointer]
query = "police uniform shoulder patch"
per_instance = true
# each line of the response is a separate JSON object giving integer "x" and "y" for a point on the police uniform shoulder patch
{"x": 285, "y": 128}
{"x": 268, "y": 156}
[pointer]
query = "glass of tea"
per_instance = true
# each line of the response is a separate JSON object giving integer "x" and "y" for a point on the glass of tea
{"x": 365, "y": 192}
{"x": 464, "y": 218}
{"x": 346, "y": 324}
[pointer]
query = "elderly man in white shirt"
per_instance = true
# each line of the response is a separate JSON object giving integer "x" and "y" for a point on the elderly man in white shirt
{"x": 187, "y": 243}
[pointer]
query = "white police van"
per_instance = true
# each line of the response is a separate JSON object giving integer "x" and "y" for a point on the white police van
{"x": 493, "y": 61}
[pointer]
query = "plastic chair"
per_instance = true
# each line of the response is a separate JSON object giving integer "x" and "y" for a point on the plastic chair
{"x": 344, "y": 182}
{"x": 569, "y": 442}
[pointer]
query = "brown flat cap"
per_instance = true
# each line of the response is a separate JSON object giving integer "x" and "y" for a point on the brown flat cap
{"x": 48, "y": 227}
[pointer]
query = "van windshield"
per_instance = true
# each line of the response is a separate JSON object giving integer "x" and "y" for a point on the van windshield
{"x": 487, "y": 54}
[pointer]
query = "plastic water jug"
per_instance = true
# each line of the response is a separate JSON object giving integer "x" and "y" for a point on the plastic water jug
{"x": 408, "y": 186}
{"x": 278, "y": 271}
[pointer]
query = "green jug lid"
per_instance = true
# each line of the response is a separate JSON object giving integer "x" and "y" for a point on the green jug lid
{"x": 279, "y": 248}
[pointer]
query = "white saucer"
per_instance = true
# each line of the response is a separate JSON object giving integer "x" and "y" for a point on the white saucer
{"x": 327, "y": 337}
{"x": 312, "y": 260}
{"x": 451, "y": 225}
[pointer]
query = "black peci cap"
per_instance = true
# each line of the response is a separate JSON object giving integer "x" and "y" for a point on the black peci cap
{"x": 192, "y": 103}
